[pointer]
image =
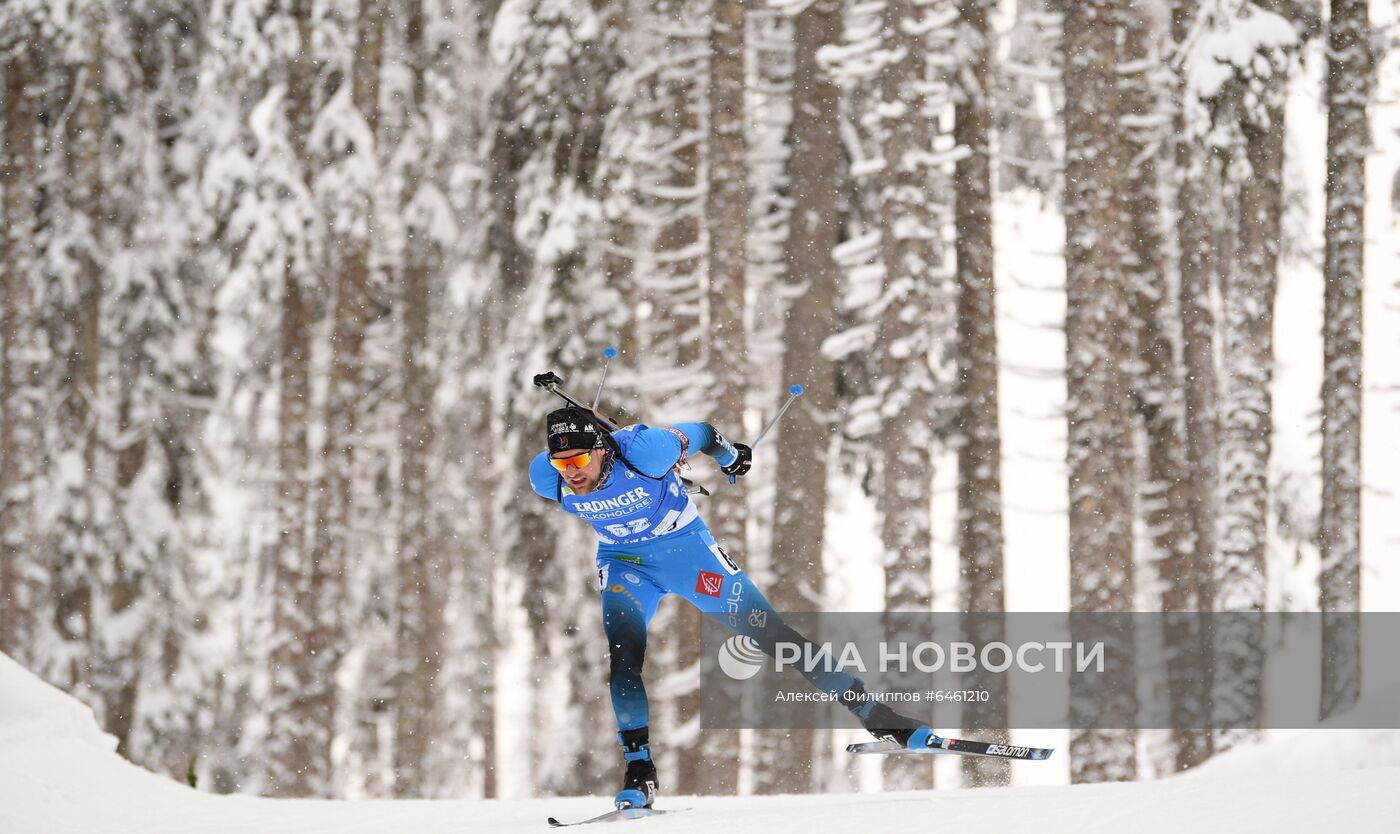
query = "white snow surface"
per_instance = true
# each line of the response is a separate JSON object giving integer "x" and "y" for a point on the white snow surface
{"x": 59, "y": 773}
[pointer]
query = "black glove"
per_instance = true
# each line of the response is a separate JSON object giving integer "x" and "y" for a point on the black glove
{"x": 742, "y": 461}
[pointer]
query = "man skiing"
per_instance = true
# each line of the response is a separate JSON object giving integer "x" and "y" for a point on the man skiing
{"x": 652, "y": 542}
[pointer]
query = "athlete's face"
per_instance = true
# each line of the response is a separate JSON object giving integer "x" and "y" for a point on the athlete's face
{"x": 584, "y": 480}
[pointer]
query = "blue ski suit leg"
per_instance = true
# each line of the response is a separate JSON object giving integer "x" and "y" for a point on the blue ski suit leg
{"x": 632, "y": 580}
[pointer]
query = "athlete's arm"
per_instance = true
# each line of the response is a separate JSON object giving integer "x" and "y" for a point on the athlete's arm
{"x": 543, "y": 477}
{"x": 656, "y": 451}
{"x": 704, "y": 437}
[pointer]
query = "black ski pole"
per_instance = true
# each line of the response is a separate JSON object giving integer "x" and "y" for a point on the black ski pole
{"x": 551, "y": 382}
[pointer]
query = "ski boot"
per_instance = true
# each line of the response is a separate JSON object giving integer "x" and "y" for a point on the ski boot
{"x": 639, "y": 783}
{"x": 883, "y": 722}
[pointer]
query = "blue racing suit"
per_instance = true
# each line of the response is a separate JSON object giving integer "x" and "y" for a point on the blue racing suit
{"x": 652, "y": 542}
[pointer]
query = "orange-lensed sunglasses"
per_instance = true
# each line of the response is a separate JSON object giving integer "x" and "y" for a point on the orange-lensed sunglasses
{"x": 579, "y": 461}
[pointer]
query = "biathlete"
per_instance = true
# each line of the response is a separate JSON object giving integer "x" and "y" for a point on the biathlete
{"x": 652, "y": 542}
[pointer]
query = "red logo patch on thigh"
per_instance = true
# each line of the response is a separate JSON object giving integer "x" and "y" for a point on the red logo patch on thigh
{"x": 709, "y": 584}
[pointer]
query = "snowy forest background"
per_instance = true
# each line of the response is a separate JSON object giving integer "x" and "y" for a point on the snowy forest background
{"x": 1075, "y": 289}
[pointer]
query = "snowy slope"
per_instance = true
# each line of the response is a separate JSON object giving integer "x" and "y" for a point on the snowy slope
{"x": 58, "y": 773}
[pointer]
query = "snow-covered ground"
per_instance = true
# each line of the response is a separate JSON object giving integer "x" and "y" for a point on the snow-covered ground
{"x": 59, "y": 773}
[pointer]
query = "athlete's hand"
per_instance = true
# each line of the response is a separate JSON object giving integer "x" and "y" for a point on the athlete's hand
{"x": 743, "y": 459}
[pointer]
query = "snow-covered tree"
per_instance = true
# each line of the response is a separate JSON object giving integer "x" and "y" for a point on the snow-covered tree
{"x": 770, "y": 117}
{"x": 784, "y": 764}
{"x": 980, "y": 537}
{"x": 346, "y": 154}
{"x": 22, "y": 593}
{"x": 1028, "y": 104}
{"x": 670, "y": 206}
{"x": 710, "y": 763}
{"x": 1238, "y": 68}
{"x": 274, "y": 275}
{"x": 1156, "y": 376}
{"x": 891, "y": 66}
{"x": 160, "y": 315}
{"x": 1101, "y": 483}
{"x": 464, "y": 474}
{"x": 558, "y": 60}
{"x": 1197, "y": 206}
{"x": 307, "y": 642}
{"x": 1350, "y": 78}
{"x": 422, "y": 552}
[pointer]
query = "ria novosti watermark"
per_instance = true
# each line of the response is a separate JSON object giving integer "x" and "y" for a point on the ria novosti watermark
{"x": 1106, "y": 671}
{"x": 741, "y": 657}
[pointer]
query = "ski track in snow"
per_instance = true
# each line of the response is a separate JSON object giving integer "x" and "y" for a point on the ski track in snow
{"x": 61, "y": 788}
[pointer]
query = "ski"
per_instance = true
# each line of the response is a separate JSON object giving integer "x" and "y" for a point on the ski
{"x": 957, "y": 746}
{"x": 618, "y": 815}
